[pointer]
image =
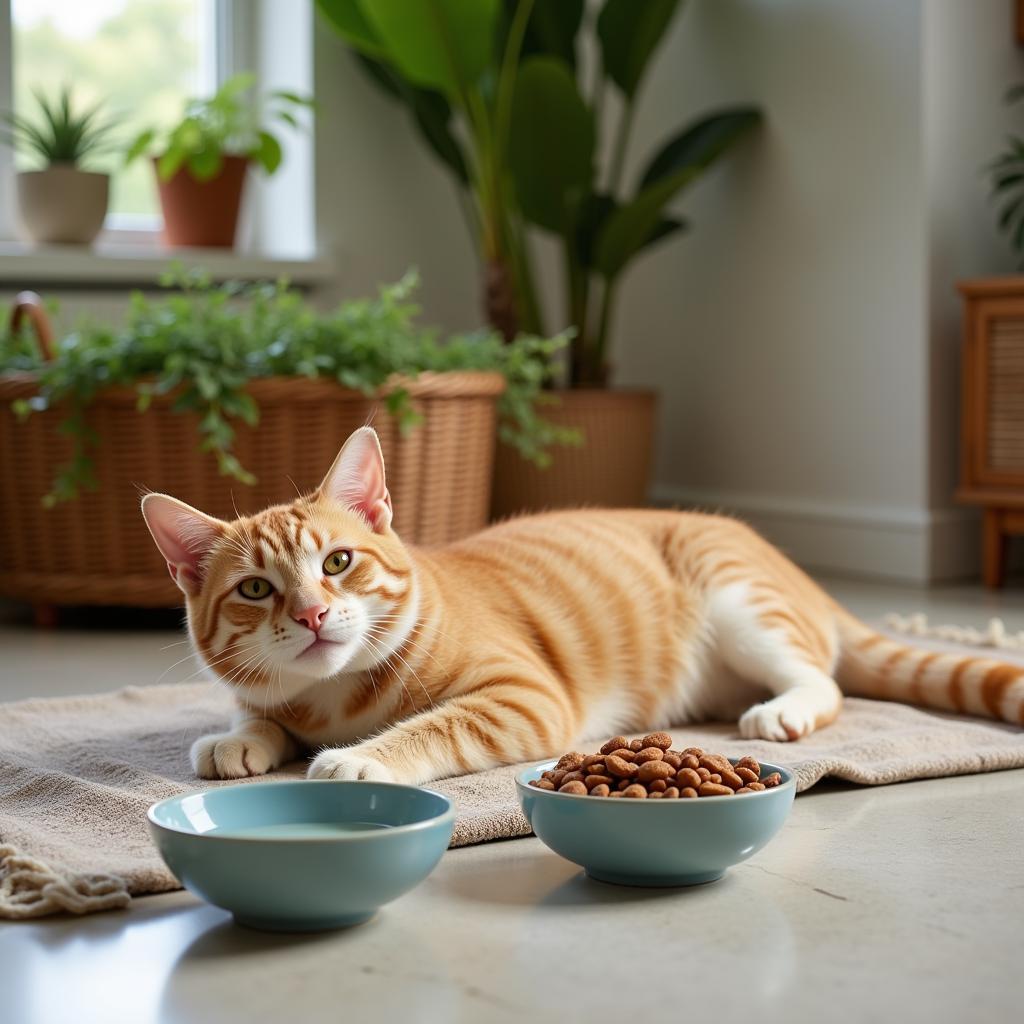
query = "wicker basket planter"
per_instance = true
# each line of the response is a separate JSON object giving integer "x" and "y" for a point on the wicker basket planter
{"x": 611, "y": 469}
{"x": 96, "y": 550}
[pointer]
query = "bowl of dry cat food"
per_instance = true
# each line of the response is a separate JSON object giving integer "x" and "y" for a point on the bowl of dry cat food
{"x": 638, "y": 812}
{"x": 304, "y": 855}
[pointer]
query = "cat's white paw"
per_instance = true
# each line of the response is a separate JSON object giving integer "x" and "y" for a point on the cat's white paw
{"x": 339, "y": 763}
{"x": 229, "y": 756}
{"x": 787, "y": 717}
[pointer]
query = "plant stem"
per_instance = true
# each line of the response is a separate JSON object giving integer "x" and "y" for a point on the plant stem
{"x": 619, "y": 155}
{"x": 506, "y": 79}
{"x": 598, "y": 371}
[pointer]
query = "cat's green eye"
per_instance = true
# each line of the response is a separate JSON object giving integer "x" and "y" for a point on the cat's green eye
{"x": 255, "y": 588}
{"x": 337, "y": 561}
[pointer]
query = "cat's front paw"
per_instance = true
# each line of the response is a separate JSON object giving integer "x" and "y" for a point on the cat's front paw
{"x": 229, "y": 756}
{"x": 341, "y": 763}
{"x": 781, "y": 719}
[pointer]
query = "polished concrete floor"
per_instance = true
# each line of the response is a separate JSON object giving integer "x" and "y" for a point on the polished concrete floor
{"x": 904, "y": 903}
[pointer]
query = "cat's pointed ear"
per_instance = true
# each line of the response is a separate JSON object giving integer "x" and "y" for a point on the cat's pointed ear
{"x": 184, "y": 536}
{"x": 356, "y": 480}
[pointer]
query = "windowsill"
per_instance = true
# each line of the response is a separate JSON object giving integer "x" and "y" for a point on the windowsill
{"x": 115, "y": 266}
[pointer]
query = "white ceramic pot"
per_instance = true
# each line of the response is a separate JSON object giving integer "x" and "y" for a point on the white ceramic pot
{"x": 62, "y": 204}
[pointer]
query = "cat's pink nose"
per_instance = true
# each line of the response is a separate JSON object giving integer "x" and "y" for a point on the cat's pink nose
{"x": 312, "y": 617}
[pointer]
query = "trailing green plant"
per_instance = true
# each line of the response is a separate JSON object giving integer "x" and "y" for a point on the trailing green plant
{"x": 230, "y": 123}
{"x": 203, "y": 343}
{"x": 1006, "y": 173}
{"x": 494, "y": 87}
{"x": 59, "y": 134}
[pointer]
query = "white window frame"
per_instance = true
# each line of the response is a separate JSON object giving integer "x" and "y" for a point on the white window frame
{"x": 274, "y": 38}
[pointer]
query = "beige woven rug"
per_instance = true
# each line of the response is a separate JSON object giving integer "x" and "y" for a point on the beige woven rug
{"x": 77, "y": 774}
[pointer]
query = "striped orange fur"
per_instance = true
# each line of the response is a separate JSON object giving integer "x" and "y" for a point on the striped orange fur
{"x": 520, "y": 641}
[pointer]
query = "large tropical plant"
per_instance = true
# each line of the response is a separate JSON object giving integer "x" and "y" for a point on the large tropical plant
{"x": 494, "y": 87}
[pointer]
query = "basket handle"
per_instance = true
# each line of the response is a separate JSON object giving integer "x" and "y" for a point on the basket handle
{"x": 28, "y": 304}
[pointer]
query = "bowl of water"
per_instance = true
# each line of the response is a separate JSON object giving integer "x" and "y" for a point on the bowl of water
{"x": 303, "y": 855}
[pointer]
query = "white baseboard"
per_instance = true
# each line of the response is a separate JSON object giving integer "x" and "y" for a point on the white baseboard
{"x": 909, "y": 545}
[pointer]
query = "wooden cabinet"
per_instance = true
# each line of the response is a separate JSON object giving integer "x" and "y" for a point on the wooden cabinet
{"x": 992, "y": 413}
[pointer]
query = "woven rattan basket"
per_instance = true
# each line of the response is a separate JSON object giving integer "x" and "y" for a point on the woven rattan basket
{"x": 96, "y": 549}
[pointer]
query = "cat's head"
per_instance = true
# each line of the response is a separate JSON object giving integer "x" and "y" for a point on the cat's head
{"x": 298, "y": 592}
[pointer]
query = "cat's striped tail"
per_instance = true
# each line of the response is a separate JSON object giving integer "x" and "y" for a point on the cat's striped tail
{"x": 873, "y": 665}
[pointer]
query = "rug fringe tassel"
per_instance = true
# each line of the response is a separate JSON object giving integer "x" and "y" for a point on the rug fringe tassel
{"x": 994, "y": 635}
{"x": 29, "y": 888}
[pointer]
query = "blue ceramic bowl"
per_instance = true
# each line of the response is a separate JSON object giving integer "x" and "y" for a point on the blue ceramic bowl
{"x": 305, "y": 855}
{"x": 655, "y": 842}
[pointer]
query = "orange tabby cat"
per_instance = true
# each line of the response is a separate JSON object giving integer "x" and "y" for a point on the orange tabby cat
{"x": 405, "y": 664}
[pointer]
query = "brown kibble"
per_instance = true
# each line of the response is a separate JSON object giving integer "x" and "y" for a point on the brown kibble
{"x": 597, "y": 780}
{"x": 745, "y": 773}
{"x": 657, "y": 786}
{"x": 601, "y": 790}
{"x": 697, "y": 752}
{"x": 732, "y": 780}
{"x": 575, "y": 788}
{"x": 712, "y": 789}
{"x": 751, "y": 763}
{"x": 674, "y": 759}
{"x": 636, "y": 746}
{"x": 548, "y": 774}
{"x": 649, "y": 754}
{"x": 542, "y": 784}
{"x": 623, "y": 783}
{"x": 672, "y": 793}
{"x": 651, "y": 770}
{"x": 715, "y": 763}
{"x": 772, "y": 780}
{"x": 745, "y": 789}
{"x": 570, "y": 762}
{"x": 757, "y": 787}
{"x": 689, "y": 761}
{"x": 688, "y": 777}
{"x": 635, "y": 792}
{"x": 688, "y": 793}
{"x": 704, "y": 774}
{"x": 715, "y": 778}
{"x": 654, "y": 795}
{"x": 662, "y": 740}
{"x": 625, "y": 753}
{"x": 590, "y": 760}
{"x": 572, "y": 777}
{"x": 614, "y": 744}
{"x": 558, "y": 777}
{"x": 615, "y": 792}
{"x": 619, "y": 768}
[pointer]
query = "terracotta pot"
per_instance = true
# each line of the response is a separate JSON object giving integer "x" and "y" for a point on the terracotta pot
{"x": 203, "y": 213}
{"x": 63, "y": 204}
{"x": 610, "y": 469}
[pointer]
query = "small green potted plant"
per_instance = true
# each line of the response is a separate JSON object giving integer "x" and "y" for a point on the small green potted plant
{"x": 201, "y": 162}
{"x": 61, "y": 202}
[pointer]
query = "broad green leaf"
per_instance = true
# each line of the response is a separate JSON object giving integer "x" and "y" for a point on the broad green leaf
{"x": 440, "y": 44}
{"x": 268, "y": 152}
{"x": 550, "y": 30}
{"x": 551, "y": 146}
{"x": 630, "y": 31}
{"x": 206, "y": 164}
{"x": 431, "y": 112}
{"x": 170, "y": 162}
{"x": 679, "y": 163}
{"x": 347, "y": 18}
{"x": 701, "y": 143}
{"x": 140, "y": 145}
{"x": 595, "y": 214}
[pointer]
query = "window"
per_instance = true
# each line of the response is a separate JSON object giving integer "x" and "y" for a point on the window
{"x": 142, "y": 58}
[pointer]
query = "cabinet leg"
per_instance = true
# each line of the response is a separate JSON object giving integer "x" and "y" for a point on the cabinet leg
{"x": 993, "y": 549}
{"x": 45, "y": 616}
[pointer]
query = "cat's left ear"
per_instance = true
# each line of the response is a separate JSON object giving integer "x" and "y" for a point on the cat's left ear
{"x": 184, "y": 536}
{"x": 356, "y": 480}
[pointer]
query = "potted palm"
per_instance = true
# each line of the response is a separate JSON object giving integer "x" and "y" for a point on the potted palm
{"x": 60, "y": 202}
{"x": 496, "y": 91}
{"x": 201, "y": 162}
